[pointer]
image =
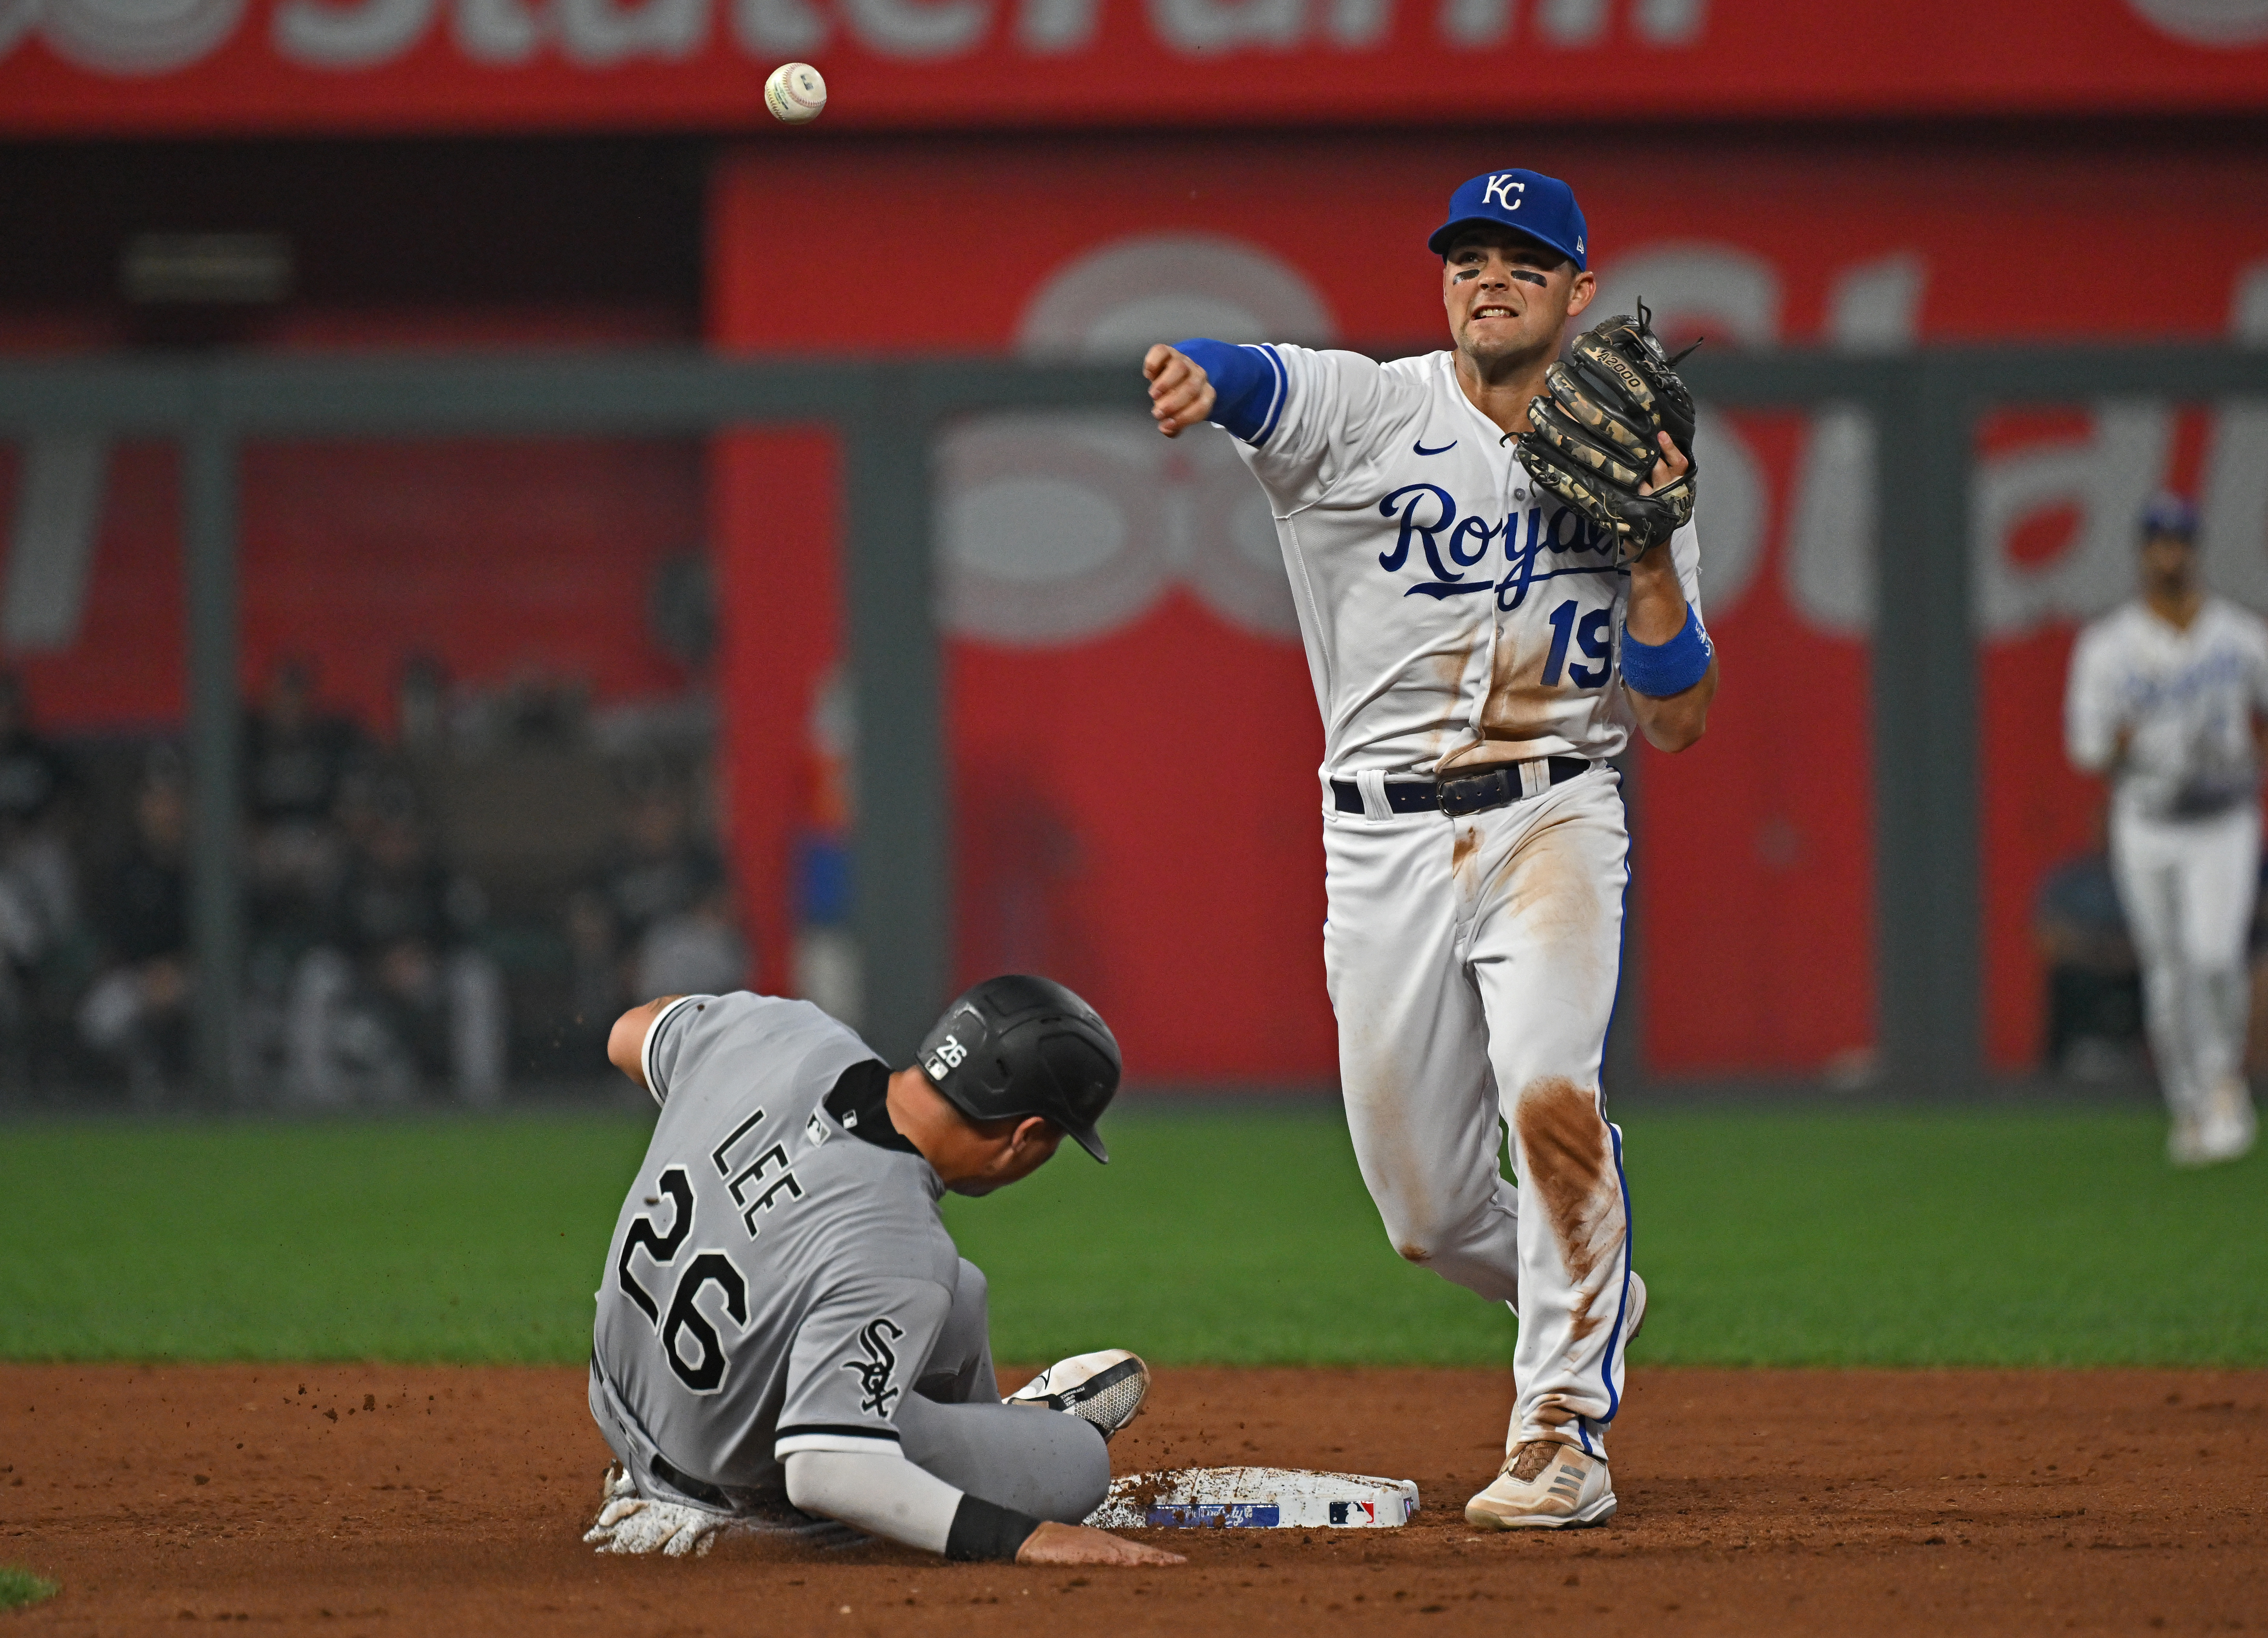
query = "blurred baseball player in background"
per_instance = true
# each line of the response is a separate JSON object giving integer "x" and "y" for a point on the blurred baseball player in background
{"x": 785, "y": 1333}
{"x": 1483, "y": 626}
{"x": 2165, "y": 697}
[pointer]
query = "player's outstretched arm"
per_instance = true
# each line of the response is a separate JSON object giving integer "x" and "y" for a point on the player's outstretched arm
{"x": 1079, "y": 1544}
{"x": 626, "y": 1041}
{"x": 886, "y": 1496}
{"x": 1180, "y": 394}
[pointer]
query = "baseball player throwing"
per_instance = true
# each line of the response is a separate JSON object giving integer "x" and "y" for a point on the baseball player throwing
{"x": 786, "y": 1334}
{"x": 2166, "y": 696}
{"x": 1483, "y": 626}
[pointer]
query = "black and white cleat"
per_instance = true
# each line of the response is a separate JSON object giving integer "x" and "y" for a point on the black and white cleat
{"x": 1105, "y": 1388}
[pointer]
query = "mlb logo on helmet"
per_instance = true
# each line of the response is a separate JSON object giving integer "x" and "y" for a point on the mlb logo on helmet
{"x": 1541, "y": 207}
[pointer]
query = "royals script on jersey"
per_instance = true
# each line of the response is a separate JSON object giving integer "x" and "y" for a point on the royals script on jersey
{"x": 2186, "y": 697}
{"x": 1451, "y": 614}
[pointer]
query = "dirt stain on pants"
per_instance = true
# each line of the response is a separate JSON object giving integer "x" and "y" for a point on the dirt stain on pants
{"x": 1569, "y": 1163}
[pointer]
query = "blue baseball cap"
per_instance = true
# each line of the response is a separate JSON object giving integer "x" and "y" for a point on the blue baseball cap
{"x": 2169, "y": 513}
{"x": 1541, "y": 207}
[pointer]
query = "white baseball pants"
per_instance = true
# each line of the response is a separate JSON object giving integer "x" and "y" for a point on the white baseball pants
{"x": 1472, "y": 963}
{"x": 2187, "y": 886}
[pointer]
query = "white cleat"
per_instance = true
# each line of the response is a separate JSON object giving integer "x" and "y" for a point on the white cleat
{"x": 2185, "y": 1142}
{"x": 1105, "y": 1388}
{"x": 2230, "y": 1125}
{"x": 1544, "y": 1485}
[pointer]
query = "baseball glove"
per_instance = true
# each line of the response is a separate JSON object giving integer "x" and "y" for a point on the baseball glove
{"x": 1593, "y": 439}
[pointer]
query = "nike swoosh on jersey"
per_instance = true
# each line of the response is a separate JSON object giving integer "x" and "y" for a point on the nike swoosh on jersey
{"x": 1419, "y": 448}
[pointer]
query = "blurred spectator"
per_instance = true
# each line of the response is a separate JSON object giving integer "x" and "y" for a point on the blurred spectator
{"x": 33, "y": 775}
{"x": 41, "y": 885}
{"x": 298, "y": 764}
{"x": 401, "y": 991}
{"x": 136, "y": 1011}
{"x": 38, "y": 887}
{"x": 420, "y": 699}
{"x": 697, "y": 951}
{"x": 295, "y": 758}
{"x": 828, "y": 969}
{"x": 658, "y": 918}
{"x": 2095, "y": 987}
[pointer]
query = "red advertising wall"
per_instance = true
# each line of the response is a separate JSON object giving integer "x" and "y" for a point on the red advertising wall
{"x": 89, "y": 66}
{"x": 1134, "y": 737}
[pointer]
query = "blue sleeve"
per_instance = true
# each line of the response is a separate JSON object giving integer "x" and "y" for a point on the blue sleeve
{"x": 1248, "y": 384}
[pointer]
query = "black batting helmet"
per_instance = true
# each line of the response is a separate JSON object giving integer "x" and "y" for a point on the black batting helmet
{"x": 1022, "y": 1046}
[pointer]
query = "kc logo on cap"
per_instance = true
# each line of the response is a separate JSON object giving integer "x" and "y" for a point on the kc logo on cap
{"x": 1541, "y": 207}
{"x": 1502, "y": 187}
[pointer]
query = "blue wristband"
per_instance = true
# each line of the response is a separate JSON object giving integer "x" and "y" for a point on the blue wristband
{"x": 1248, "y": 386}
{"x": 1659, "y": 670}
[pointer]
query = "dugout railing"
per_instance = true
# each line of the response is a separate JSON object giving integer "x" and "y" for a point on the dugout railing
{"x": 1924, "y": 405}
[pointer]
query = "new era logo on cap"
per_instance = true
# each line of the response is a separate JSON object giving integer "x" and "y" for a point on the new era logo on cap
{"x": 1541, "y": 207}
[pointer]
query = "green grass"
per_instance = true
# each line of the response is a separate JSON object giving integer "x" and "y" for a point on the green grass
{"x": 403, "y": 1240}
{"x": 1913, "y": 1238}
{"x": 1932, "y": 1238}
{"x": 20, "y": 1587}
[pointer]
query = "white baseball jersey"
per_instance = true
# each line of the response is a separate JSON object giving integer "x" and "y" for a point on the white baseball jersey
{"x": 2186, "y": 697}
{"x": 1450, "y": 611}
{"x": 2184, "y": 834}
{"x": 1454, "y": 617}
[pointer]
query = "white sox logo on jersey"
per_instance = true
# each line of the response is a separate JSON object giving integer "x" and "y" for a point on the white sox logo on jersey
{"x": 1453, "y": 543}
{"x": 876, "y": 1369}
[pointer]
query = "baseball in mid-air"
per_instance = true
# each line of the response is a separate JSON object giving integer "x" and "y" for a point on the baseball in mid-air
{"x": 795, "y": 93}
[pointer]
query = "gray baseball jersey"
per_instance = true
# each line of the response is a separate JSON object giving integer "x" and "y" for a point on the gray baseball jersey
{"x": 780, "y": 1271}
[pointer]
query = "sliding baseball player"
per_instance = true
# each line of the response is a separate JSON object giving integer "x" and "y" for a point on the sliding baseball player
{"x": 787, "y": 1336}
{"x": 1496, "y": 579}
{"x": 2166, "y": 697}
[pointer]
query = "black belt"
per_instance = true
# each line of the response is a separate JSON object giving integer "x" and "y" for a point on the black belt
{"x": 685, "y": 1484}
{"x": 1459, "y": 794}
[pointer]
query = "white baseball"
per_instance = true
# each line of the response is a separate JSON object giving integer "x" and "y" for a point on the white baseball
{"x": 795, "y": 93}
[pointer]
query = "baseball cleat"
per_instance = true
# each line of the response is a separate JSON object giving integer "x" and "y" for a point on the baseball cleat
{"x": 2230, "y": 1125}
{"x": 1544, "y": 1485}
{"x": 2185, "y": 1142}
{"x": 615, "y": 1485}
{"x": 1105, "y": 1388}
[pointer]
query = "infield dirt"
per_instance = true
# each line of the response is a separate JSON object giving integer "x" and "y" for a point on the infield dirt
{"x": 383, "y": 1500}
